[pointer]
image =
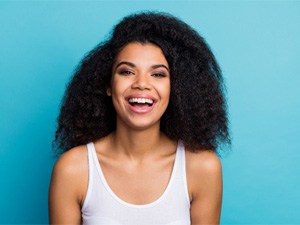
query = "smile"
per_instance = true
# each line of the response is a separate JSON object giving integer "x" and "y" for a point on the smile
{"x": 134, "y": 101}
{"x": 141, "y": 104}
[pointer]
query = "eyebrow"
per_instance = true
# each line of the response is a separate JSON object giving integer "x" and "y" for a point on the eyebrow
{"x": 133, "y": 65}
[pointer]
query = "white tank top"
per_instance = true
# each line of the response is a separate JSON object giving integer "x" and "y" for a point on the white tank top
{"x": 103, "y": 206}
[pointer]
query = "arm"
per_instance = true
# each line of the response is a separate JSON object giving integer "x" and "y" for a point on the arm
{"x": 65, "y": 196}
{"x": 206, "y": 188}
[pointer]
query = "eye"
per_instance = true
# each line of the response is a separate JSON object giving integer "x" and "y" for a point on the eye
{"x": 126, "y": 72}
{"x": 159, "y": 75}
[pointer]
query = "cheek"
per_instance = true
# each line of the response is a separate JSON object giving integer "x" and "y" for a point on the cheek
{"x": 117, "y": 87}
{"x": 165, "y": 90}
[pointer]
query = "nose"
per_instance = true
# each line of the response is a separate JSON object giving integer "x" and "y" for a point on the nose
{"x": 141, "y": 82}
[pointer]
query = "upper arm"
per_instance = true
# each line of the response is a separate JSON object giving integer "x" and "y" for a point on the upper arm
{"x": 205, "y": 179}
{"x": 66, "y": 189}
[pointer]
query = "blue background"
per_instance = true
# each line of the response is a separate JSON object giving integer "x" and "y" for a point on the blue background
{"x": 258, "y": 47}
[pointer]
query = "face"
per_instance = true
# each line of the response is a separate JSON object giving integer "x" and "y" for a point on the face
{"x": 140, "y": 86}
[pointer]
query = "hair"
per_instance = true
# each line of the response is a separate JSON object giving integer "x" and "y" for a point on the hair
{"x": 196, "y": 113}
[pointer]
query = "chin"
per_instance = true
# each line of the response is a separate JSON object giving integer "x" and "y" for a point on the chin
{"x": 141, "y": 124}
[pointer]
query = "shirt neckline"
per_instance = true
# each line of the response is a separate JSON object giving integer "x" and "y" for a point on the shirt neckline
{"x": 121, "y": 201}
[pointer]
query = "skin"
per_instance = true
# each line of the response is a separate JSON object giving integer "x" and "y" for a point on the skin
{"x": 138, "y": 165}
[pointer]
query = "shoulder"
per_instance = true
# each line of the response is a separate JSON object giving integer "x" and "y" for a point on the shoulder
{"x": 70, "y": 172}
{"x": 203, "y": 170}
{"x": 203, "y": 162}
{"x": 72, "y": 161}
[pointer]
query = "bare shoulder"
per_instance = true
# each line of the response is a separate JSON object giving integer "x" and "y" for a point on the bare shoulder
{"x": 203, "y": 169}
{"x": 204, "y": 178}
{"x": 72, "y": 161}
{"x": 70, "y": 172}
{"x": 203, "y": 163}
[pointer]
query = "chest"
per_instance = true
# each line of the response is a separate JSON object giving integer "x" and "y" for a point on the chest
{"x": 138, "y": 183}
{"x": 151, "y": 193}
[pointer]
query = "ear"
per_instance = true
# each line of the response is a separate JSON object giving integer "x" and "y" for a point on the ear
{"x": 108, "y": 91}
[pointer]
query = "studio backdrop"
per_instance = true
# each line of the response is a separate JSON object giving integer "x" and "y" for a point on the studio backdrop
{"x": 257, "y": 46}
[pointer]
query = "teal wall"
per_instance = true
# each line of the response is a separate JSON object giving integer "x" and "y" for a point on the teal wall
{"x": 258, "y": 47}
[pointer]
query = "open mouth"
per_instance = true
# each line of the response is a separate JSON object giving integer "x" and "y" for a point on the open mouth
{"x": 141, "y": 105}
{"x": 140, "y": 102}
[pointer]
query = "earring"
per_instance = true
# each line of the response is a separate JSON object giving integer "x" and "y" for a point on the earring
{"x": 108, "y": 92}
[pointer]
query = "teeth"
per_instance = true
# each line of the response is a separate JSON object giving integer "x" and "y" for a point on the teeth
{"x": 141, "y": 100}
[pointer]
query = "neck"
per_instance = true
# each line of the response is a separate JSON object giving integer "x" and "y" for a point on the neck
{"x": 137, "y": 144}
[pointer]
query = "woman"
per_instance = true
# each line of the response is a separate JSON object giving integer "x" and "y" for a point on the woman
{"x": 142, "y": 117}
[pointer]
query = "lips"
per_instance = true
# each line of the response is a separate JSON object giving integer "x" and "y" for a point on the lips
{"x": 141, "y": 103}
{"x": 133, "y": 101}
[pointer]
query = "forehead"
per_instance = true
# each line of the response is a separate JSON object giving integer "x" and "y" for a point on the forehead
{"x": 141, "y": 54}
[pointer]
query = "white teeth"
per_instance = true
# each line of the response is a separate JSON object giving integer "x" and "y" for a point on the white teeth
{"x": 141, "y": 100}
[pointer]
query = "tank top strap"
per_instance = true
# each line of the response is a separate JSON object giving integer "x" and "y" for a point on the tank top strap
{"x": 92, "y": 170}
{"x": 182, "y": 169}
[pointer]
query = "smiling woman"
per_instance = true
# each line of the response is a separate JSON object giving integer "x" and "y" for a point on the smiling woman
{"x": 139, "y": 127}
{"x": 140, "y": 85}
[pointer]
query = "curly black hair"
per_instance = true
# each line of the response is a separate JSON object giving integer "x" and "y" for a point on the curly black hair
{"x": 196, "y": 113}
